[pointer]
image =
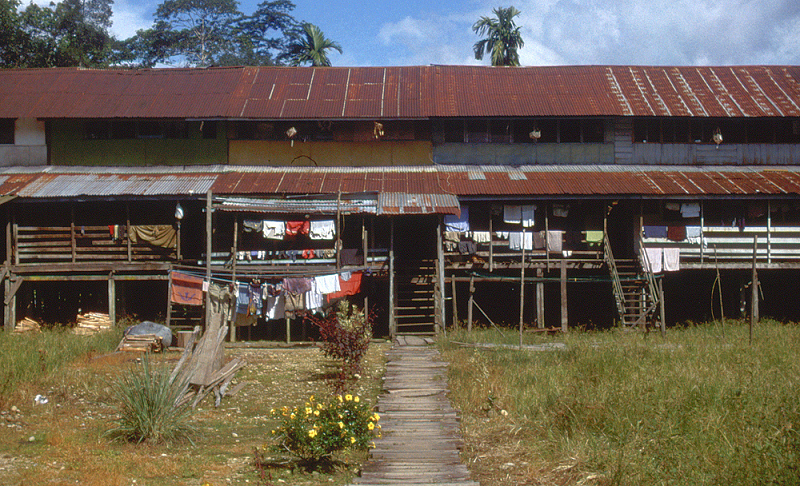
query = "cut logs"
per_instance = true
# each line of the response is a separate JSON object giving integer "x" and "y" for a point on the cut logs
{"x": 27, "y": 325}
{"x": 143, "y": 343}
{"x": 92, "y": 323}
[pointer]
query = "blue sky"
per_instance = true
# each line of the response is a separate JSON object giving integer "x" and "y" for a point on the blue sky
{"x": 556, "y": 32}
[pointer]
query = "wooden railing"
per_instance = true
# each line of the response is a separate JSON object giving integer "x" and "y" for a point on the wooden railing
{"x": 608, "y": 257}
{"x": 66, "y": 244}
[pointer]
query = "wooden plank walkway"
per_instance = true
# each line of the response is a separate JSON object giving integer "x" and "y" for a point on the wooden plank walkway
{"x": 421, "y": 434}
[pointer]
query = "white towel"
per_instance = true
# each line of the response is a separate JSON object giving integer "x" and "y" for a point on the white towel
{"x": 690, "y": 210}
{"x": 527, "y": 216}
{"x": 503, "y": 235}
{"x": 314, "y": 298}
{"x": 327, "y": 284}
{"x": 481, "y": 236}
{"x": 457, "y": 223}
{"x": 693, "y": 234}
{"x": 517, "y": 240}
{"x": 322, "y": 230}
{"x": 672, "y": 259}
{"x": 275, "y": 307}
{"x": 554, "y": 240}
{"x": 654, "y": 257}
{"x": 512, "y": 214}
{"x": 274, "y": 230}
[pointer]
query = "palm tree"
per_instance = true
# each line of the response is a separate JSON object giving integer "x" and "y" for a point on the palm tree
{"x": 311, "y": 46}
{"x": 502, "y": 37}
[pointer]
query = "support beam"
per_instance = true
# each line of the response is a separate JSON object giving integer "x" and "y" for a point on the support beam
{"x": 661, "y": 308}
{"x": 522, "y": 289}
{"x": 564, "y": 320}
{"x": 112, "y": 299}
{"x": 455, "y": 303}
{"x": 754, "y": 317}
{"x": 288, "y": 330}
{"x": 234, "y": 251}
{"x": 10, "y": 308}
{"x": 209, "y": 212}
{"x": 440, "y": 277}
{"x": 392, "y": 322}
{"x": 540, "y": 299}
{"x": 471, "y": 302}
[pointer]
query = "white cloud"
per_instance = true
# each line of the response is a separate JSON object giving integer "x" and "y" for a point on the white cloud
{"x": 129, "y": 16}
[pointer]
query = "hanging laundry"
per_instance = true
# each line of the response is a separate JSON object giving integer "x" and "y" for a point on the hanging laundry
{"x": 163, "y": 235}
{"x": 221, "y": 300}
{"x": 350, "y": 285}
{"x": 252, "y": 226}
{"x": 555, "y": 240}
{"x": 655, "y": 258}
{"x": 274, "y": 230}
{"x": 322, "y": 230}
{"x": 294, "y": 302}
{"x": 673, "y": 206}
{"x": 114, "y": 231}
{"x": 539, "y": 240}
{"x": 517, "y": 240}
{"x": 654, "y": 231}
{"x": 242, "y": 292}
{"x": 676, "y": 233}
{"x": 314, "y": 299}
{"x": 297, "y": 285}
{"x": 467, "y": 247}
{"x": 693, "y": 234}
{"x": 329, "y": 253}
{"x": 594, "y": 237}
{"x": 512, "y": 214}
{"x": 458, "y": 223}
{"x": 275, "y": 307}
{"x": 308, "y": 254}
{"x": 327, "y": 284}
{"x": 690, "y": 210}
{"x": 481, "y": 237}
{"x": 672, "y": 259}
{"x": 560, "y": 210}
{"x": 256, "y": 301}
{"x": 294, "y": 228}
{"x": 187, "y": 289}
{"x": 503, "y": 235}
{"x": 526, "y": 216}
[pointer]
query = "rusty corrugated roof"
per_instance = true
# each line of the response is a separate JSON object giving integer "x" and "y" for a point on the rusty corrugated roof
{"x": 410, "y": 92}
{"x": 407, "y": 189}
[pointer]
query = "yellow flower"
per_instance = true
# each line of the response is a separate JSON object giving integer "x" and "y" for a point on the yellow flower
{"x": 291, "y": 416}
{"x": 308, "y": 410}
{"x": 339, "y": 397}
{"x": 376, "y": 417}
{"x": 271, "y": 410}
{"x": 311, "y": 398}
{"x": 341, "y": 425}
{"x": 372, "y": 444}
{"x": 356, "y": 399}
{"x": 273, "y": 431}
{"x": 371, "y": 426}
{"x": 316, "y": 413}
{"x": 312, "y": 433}
{"x": 320, "y": 407}
{"x": 348, "y": 397}
{"x": 352, "y": 440}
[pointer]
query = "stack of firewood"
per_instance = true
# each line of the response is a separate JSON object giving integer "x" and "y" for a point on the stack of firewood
{"x": 92, "y": 323}
{"x": 202, "y": 371}
{"x": 27, "y": 325}
{"x": 150, "y": 343}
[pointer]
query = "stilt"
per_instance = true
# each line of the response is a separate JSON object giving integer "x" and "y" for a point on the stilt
{"x": 522, "y": 289}
{"x": 540, "y": 299}
{"x": 455, "y": 304}
{"x": 288, "y": 330}
{"x": 564, "y": 321}
{"x": 661, "y": 308}
{"x": 209, "y": 210}
{"x": 392, "y": 322}
{"x": 754, "y": 291}
{"x": 471, "y": 300}
{"x": 112, "y": 299}
{"x": 234, "y": 252}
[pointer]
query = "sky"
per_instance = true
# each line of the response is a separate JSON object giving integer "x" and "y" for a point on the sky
{"x": 555, "y": 32}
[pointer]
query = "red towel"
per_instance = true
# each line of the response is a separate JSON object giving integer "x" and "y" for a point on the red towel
{"x": 348, "y": 287}
{"x": 294, "y": 228}
{"x": 186, "y": 289}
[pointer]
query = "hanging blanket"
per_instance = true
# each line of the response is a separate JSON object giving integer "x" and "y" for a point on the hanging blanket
{"x": 186, "y": 289}
{"x": 163, "y": 235}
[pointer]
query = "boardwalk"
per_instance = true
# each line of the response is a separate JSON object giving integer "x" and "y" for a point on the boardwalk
{"x": 421, "y": 437}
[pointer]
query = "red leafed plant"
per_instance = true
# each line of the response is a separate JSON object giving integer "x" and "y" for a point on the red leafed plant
{"x": 346, "y": 334}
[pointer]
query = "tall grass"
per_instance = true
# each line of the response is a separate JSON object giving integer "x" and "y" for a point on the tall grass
{"x": 147, "y": 398}
{"x": 30, "y": 357}
{"x": 695, "y": 408}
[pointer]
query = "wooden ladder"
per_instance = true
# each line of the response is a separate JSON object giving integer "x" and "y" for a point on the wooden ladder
{"x": 415, "y": 308}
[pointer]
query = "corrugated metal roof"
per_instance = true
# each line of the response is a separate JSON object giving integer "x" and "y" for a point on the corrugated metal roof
{"x": 411, "y": 92}
{"x": 401, "y": 190}
{"x": 296, "y": 206}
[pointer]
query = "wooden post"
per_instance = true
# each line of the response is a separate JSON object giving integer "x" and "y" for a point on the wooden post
{"x": 9, "y": 323}
{"x": 522, "y": 289}
{"x": 339, "y": 231}
{"x": 491, "y": 243}
{"x": 169, "y": 299}
{"x": 540, "y": 299}
{"x": 10, "y": 306}
{"x": 471, "y": 300}
{"x": 754, "y": 291}
{"x": 364, "y": 241}
{"x": 455, "y": 304}
{"x": 9, "y": 243}
{"x": 663, "y": 311}
{"x": 128, "y": 231}
{"x": 564, "y": 321}
{"x": 72, "y": 242}
{"x": 209, "y": 210}
{"x": 392, "y": 323}
{"x": 288, "y": 330}
{"x": 234, "y": 252}
{"x": 440, "y": 276}
{"x": 112, "y": 299}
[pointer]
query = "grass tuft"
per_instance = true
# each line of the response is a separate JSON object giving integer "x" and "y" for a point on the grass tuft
{"x": 148, "y": 413}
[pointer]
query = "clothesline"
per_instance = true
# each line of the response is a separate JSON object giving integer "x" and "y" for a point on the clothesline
{"x": 201, "y": 272}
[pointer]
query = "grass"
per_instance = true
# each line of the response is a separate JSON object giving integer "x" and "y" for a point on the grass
{"x": 617, "y": 408}
{"x": 66, "y": 442}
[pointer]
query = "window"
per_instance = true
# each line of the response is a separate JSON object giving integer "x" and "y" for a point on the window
{"x": 130, "y": 129}
{"x": 209, "y": 129}
{"x": 7, "y": 127}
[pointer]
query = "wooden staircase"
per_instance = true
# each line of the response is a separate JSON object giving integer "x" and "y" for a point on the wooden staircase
{"x": 415, "y": 303}
{"x": 635, "y": 291}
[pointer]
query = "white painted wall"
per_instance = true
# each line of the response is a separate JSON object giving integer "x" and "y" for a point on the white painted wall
{"x": 29, "y": 131}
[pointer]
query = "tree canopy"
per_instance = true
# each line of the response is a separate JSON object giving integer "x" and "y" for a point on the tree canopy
{"x": 502, "y": 39}
{"x": 310, "y": 46}
{"x": 184, "y": 32}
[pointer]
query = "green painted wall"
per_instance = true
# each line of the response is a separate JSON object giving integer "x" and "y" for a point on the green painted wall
{"x": 68, "y": 146}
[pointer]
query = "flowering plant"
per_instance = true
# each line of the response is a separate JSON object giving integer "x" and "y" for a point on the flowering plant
{"x": 345, "y": 334}
{"x": 316, "y": 430}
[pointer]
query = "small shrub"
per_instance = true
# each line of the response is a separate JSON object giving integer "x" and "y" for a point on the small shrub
{"x": 346, "y": 335}
{"x": 315, "y": 431}
{"x": 148, "y": 413}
